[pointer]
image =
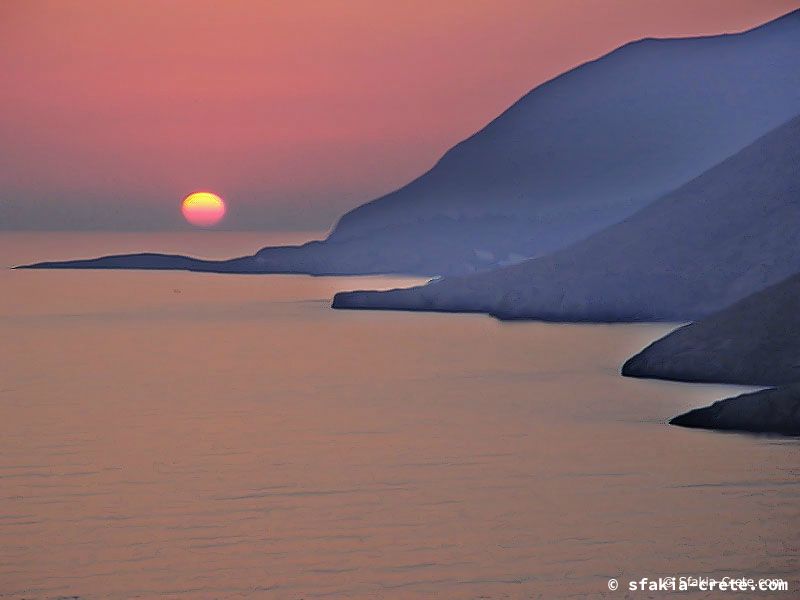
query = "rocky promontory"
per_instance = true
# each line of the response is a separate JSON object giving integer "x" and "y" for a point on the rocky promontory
{"x": 774, "y": 410}
{"x": 756, "y": 341}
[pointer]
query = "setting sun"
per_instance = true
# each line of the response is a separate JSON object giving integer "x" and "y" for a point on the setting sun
{"x": 203, "y": 209}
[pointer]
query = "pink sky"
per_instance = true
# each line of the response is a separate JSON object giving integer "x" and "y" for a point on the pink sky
{"x": 293, "y": 111}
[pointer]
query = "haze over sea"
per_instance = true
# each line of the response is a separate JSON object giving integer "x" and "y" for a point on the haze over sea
{"x": 187, "y": 435}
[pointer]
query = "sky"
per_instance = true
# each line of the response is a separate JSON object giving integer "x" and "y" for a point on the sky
{"x": 293, "y": 111}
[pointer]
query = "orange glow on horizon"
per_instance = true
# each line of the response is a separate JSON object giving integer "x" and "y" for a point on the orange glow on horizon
{"x": 300, "y": 110}
{"x": 203, "y": 209}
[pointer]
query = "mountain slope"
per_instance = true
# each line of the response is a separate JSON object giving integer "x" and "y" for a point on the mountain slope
{"x": 754, "y": 342}
{"x": 726, "y": 234}
{"x": 574, "y": 155}
{"x": 610, "y": 135}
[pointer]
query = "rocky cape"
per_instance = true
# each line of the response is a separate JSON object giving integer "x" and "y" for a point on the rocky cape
{"x": 576, "y": 154}
{"x": 775, "y": 410}
{"x": 756, "y": 341}
{"x": 726, "y": 234}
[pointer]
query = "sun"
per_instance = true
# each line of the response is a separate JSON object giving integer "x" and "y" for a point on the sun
{"x": 203, "y": 209}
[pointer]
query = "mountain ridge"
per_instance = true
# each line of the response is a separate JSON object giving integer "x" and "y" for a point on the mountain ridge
{"x": 577, "y": 153}
{"x": 711, "y": 242}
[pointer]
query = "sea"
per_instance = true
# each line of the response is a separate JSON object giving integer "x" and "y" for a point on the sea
{"x": 167, "y": 434}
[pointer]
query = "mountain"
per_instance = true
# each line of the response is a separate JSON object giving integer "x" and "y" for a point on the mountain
{"x": 756, "y": 341}
{"x": 722, "y": 236}
{"x": 576, "y": 154}
{"x": 774, "y": 410}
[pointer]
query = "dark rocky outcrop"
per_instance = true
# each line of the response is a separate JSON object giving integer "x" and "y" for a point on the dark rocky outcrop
{"x": 775, "y": 410}
{"x": 754, "y": 342}
{"x": 726, "y": 234}
{"x": 573, "y": 156}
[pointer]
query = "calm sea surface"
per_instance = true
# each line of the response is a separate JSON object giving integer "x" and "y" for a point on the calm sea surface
{"x": 185, "y": 435}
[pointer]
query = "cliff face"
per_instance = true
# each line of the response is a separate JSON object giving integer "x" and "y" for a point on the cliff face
{"x": 726, "y": 234}
{"x": 575, "y": 155}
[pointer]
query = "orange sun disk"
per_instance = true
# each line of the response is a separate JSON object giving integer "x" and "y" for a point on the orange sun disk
{"x": 203, "y": 209}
